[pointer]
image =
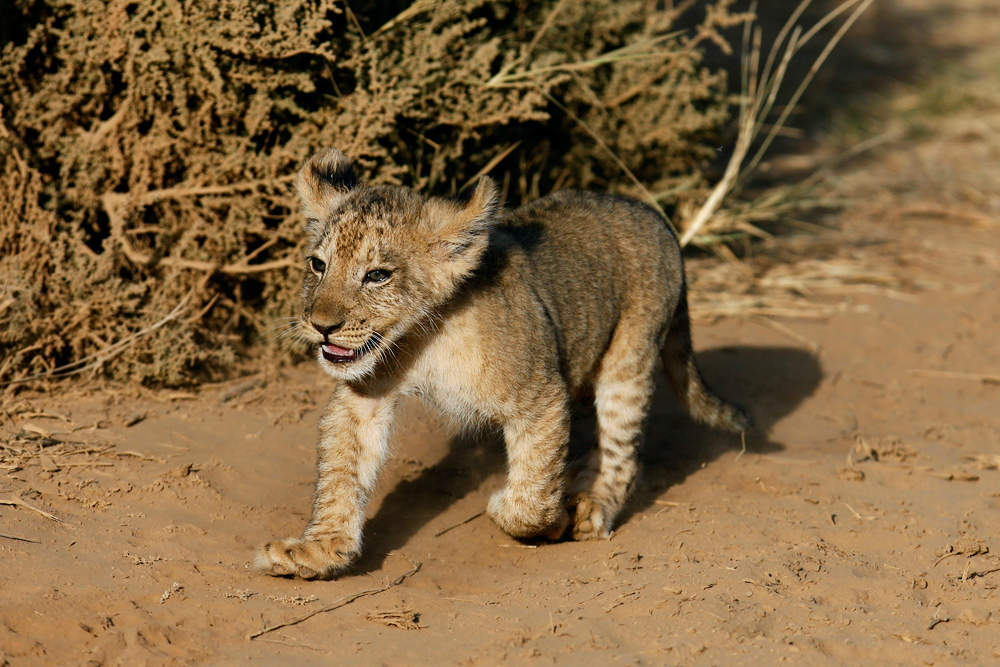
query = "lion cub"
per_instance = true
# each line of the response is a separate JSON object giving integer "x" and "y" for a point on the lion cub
{"x": 493, "y": 316}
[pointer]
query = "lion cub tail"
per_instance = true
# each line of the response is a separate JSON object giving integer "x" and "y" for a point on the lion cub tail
{"x": 685, "y": 378}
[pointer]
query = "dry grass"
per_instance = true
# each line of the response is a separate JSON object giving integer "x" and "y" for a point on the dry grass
{"x": 33, "y": 447}
{"x": 762, "y": 86}
{"x": 404, "y": 618}
{"x": 807, "y": 278}
{"x": 148, "y": 229}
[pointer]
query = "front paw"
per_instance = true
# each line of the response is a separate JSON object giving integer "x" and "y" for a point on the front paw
{"x": 307, "y": 558}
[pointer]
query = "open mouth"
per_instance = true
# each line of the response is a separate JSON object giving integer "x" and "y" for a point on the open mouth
{"x": 343, "y": 355}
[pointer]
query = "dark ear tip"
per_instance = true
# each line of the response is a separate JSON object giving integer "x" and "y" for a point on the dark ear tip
{"x": 333, "y": 168}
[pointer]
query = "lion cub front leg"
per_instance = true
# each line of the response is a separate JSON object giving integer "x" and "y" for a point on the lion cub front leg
{"x": 354, "y": 434}
{"x": 531, "y": 504}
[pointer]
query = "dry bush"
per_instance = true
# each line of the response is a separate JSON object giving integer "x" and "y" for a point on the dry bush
{"x": 148, "y": 229}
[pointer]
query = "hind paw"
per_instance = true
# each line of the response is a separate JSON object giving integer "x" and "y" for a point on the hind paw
{"x": 590, "y": 521}
{"x": 525, "y": 517}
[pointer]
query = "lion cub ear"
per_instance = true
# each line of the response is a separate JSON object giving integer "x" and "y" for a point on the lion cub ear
{"x": 324, "y": 180}
{"x": 460, "y": 233}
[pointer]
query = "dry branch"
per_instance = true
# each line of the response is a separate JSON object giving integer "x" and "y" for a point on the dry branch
{"x": 19, "y": 539}
{"x": 405, "y": 618}
{"x": 346, "y": 600}
{"x": 953, "y": 375}
{"x": 148, "y": 196}
{"x": 96, "y": 360}
{"x": 17, "y": 501}
{"x": 460, "y": 523}
{"x": 115, "y": 202}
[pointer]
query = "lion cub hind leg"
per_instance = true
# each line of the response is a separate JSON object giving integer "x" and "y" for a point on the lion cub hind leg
{"x": 531, "y": 503}
{"x": 622, "y": 392}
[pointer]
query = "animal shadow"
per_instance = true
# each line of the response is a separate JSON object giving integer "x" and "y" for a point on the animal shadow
{"x": 770, "y": 382}
{"x": 471, "y": 459}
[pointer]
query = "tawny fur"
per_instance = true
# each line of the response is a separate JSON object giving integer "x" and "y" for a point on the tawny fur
{"x": 493, "y": 316}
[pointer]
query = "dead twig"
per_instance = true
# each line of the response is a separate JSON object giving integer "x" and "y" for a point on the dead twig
{"x": 115, "y": 203}
{"x": 933, "y": 210}
{"x": 242, "y": 388}
{"x": 954, "y": 553}
{"x": 647, "y": 195}
{"x": 19, "y": 539}
{"x": 47, "y": 415}
{"x": 938, "y": 618}
{"x": 417, "y": 8}
{"x": 17, "y": 501}
{"x": 460, "y": 523}
{"x": 63, "y": 464}
{"x": 137, "y": 455}
{"x": 857, "y": 514}
{"x": 292, "y": 644}
{"x": 342, "y": 602}
{"x": 496, "y": 159}
{"x": 622, "y": 599}
{"x": 405, "y": 619}
{"x": 743, "y": 447}
{"x": 983, "y": 573}
{"x": 954, "y": 375}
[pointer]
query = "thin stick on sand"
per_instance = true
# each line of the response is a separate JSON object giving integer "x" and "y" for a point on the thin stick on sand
{"x": 19, "y": 539}
{"x": 954, "y": 375}
{"x": 16, "y": 501}
{"x": 342, "y": 602}
{"x": 460, "y": 523}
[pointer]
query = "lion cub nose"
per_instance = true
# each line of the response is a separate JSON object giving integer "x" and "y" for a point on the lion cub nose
{"x": 325, "y": 328}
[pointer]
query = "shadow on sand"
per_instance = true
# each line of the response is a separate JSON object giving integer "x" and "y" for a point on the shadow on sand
{"x": 769, "y": 381}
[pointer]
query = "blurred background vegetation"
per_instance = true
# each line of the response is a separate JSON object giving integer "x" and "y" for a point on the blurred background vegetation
{"x": 148, "y": 226}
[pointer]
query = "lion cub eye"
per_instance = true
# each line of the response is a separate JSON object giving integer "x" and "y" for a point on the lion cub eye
{"x": 377, "y": 276}
{"x": 317, "y": 265}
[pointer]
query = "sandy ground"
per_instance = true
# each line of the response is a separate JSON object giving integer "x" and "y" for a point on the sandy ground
{"x": 861, "y": 524}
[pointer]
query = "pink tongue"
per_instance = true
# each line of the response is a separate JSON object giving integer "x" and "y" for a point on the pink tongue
{"x": 337, "y": 351}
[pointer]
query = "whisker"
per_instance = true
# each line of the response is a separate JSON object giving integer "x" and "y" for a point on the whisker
{"x": 282, "y": 331}
{"x": 385, "y": 346}
{"x": 291, "y": 322}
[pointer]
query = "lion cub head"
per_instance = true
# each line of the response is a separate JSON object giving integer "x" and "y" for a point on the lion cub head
{"x": 380, "y": 259}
